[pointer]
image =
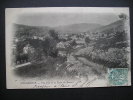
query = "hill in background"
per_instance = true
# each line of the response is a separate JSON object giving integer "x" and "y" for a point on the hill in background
{"x": 117, "y": 26}
{"x": 66, "y": 29}
{"x": 21, "y": 30}
{"x": 77, "y": 28}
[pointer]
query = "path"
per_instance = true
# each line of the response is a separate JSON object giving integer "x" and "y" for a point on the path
{"x": 22, "y": 65}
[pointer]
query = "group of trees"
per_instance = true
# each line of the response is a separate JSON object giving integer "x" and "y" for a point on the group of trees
{"x": 42, "y": 48}
{"x": 110, "y": 50}
{"x": 87, "y": 40}
{"x": 47, "y": 46}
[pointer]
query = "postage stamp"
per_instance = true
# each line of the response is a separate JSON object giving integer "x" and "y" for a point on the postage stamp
{"x": 118, "y": 76}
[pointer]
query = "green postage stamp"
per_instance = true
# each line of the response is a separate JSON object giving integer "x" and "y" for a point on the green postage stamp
{"x": 118, "y": 76}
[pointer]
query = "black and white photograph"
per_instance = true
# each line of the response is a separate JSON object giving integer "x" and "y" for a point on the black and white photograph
{"x": 67, "y": 47}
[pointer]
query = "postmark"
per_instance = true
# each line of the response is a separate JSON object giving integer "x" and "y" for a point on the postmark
{"x": 118, "y": 76}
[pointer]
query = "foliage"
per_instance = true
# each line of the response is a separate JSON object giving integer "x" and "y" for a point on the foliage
{"x": 109, "y": 51}
{"x": 112, "y": 41}
{"x": 123, "y": 16}
{"x": 87, "y": 40}
{"x": 54, "y": 34}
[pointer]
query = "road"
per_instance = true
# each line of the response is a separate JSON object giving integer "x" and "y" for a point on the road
{"x": 22, "y": 65}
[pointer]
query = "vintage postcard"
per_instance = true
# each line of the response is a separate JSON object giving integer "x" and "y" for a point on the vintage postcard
{"x": 67, "y": 47}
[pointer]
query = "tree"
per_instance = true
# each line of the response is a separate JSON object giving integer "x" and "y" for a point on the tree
{"x": 73, "y": 43}
{"x": 49, "y": 47}
{"x": 54, "y": 34}
{"x": 123, "y": 16}
{"x": 87, "y": 40}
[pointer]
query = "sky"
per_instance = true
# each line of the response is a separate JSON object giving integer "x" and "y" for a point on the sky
{"x": 58, "y": 16}
{"x": 58, "y": 19}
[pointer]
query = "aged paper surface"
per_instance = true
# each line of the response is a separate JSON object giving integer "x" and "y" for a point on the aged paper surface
{"x": 67, "y": 47}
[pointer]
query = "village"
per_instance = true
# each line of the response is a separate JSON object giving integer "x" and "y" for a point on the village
{"x": 78, "y": 41}
{"x": 57, "y": 55}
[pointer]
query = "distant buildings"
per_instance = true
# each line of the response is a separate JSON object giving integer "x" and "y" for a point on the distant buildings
{"x": 61, "y": 48}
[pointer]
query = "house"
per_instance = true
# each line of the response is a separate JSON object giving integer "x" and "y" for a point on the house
{"x": 41, "y": 38}
{"x": 28, "y": 49}
{"x": 80, "y": 42}
{"x": 60, "y": 45}
{"x": 35, "y": 37}
{"x": 61, "y": 49}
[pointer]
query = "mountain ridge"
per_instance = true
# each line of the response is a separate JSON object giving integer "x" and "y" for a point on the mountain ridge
{"x": 117, "y": 25}
{"x": 77, "y": 28}
{"x": 69, "y": 29}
